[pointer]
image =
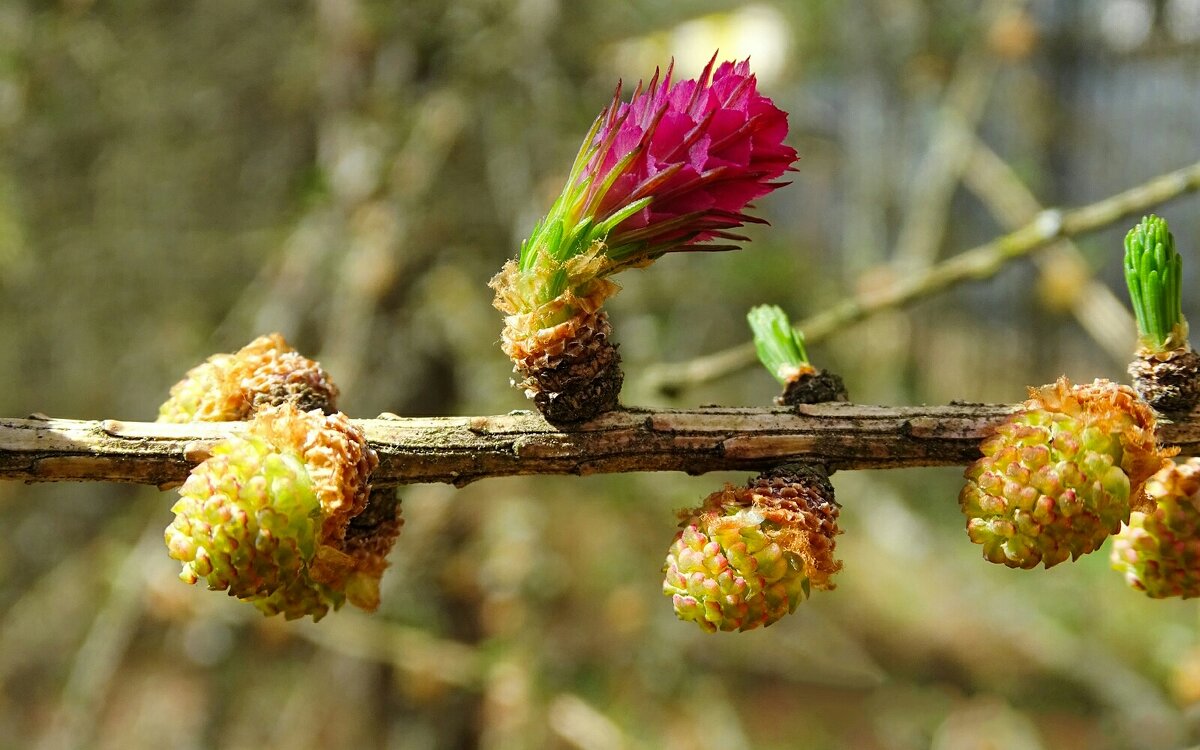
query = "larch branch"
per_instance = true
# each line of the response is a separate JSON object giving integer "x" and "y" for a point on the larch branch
{"x": 460, "y": 450}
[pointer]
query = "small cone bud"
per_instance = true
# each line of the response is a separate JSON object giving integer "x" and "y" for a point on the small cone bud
{"x": 1158, "y": 551}
{"x": 1060, "y": 475}
{"x": 230, "y": 387}
{"x": 813, "y": 387}
{"x": 748, "y": 556}
{"x": 268, "y": 516}
{"x": 780, "y": 348}
{"x": 245, "y": 520}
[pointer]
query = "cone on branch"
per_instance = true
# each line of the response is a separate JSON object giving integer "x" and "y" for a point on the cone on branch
{"x": 1062, "y": 474}
{"x": 246, "y": 520}
{"x": 671, "y": 170}
{"x": 1158, "y": 551}
{"x": 781, "y": 350}
{"x": 1165, "y": 371}
{"x": 265, "y": 372}
{"x": 270, "y": 516}
{"x": 749, "y": 555}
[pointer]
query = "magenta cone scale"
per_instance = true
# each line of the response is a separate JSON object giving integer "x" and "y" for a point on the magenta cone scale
{"x": 699, "y": 150}
{"x": 675, "y": 166}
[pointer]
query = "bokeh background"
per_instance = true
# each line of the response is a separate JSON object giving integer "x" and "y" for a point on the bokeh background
{"x": 177, "y": 178}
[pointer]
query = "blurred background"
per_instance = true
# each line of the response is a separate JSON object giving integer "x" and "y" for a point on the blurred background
{"x": 177, "y": 178}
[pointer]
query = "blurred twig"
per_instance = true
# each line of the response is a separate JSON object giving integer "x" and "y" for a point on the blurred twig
{"x": 460, "y": 450}
{"x": 64, "y": 589}
{"x": 928, "y": 192}
{"x": 981, "y": 262}
{"x": 414, "y": 651}
{"x": 578, "y": 724}
{"x": 950, "y": 605}
{"x": 378, "y": 251}
{"x": 99, "y": 657}
{"x": 1095, "y": 307}
{"x": 941, "y": 168}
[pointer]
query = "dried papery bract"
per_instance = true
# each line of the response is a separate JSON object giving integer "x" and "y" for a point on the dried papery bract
{"x": 265, "y": 372}
{"x": 1158, "y": 551}
{"x": 749, "y": 555}
{"x": 1165, "y": 371}
{"x": 1062, "y": 474}
{"x": 781, "y": 350}
{"x": 670, "y": 171}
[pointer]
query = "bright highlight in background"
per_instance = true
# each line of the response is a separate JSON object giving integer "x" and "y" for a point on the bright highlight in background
{"x": 1126, "y": 24}
{"x": 756, "y": 31}
{"x": 1183, "y": 19}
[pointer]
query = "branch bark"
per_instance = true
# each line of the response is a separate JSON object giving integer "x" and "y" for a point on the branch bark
{"x": 460, "y": 450}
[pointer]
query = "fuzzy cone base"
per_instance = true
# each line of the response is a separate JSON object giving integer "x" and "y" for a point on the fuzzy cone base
{"x": 578, "y": 375}
{"x": 816, "y": 387}
{"x": 1061, "y": 475}
{"x": 561, "y": 349}
{"x": 749, "y": 555}
{"x": 1168, "y": 381}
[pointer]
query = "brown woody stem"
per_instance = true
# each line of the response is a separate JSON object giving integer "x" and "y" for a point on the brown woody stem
{"x": 459, "y": 450}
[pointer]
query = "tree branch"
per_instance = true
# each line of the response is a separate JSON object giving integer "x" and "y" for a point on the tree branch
{"x": 460, "y": 450}
{"x": 980, "y": 262}
{"x": 1096, "y": 308}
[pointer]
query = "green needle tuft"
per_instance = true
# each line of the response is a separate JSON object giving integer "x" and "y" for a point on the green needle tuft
{"x": 780, "y": 347}
{"x": 1154, "y": 274}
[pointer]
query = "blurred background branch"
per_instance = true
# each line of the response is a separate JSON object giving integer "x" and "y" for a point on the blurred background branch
{"x": 1063, "y": 265}
{"x": 978, "y": 263}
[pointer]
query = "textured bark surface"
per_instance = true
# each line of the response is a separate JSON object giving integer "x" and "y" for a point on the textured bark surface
{"x": 460, "y": 450}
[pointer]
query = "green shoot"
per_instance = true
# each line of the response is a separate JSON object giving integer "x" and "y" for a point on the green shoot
{"x": 780, "y": 347}
{"x": 1153, "y": 272}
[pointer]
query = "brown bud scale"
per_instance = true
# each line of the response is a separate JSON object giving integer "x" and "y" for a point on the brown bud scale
{"x": 1168, "y": 381}
{"x": 816, "y": 387}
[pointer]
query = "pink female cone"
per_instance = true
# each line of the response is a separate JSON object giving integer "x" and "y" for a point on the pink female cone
{"x": 675, "y": 167}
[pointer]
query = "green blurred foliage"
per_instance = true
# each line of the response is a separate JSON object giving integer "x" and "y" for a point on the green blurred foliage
{"x": 177, "y": 178}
